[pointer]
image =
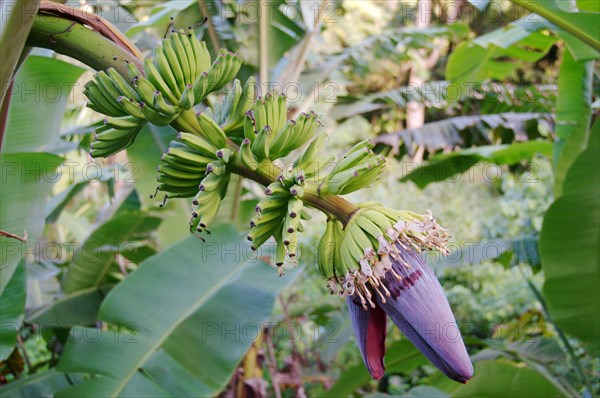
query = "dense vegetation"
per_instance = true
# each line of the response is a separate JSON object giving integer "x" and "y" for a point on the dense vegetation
{"x": 484, "y": 112}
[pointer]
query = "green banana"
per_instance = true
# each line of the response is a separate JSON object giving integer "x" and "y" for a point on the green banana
{"x": 326, "y": 250}
{"x": 198, "y": 143}
{"x": 164, "y": 69}
{"x": 201, "y": 54}
{"x": 249, "y": 127}
{"x": 157, "y": 80}
{"x": 184, "y": 62}
{"x": 122, "y": 123}
{"x": 184, "y": 166}
{"x": 145, "y": 90}
{"x": 188, "y": 155}
{"x": 101, "y": 103}
{"x": 131, "y": 107}
{"x": 176, "y": 68}
{"x": 295, "y": 207}
{"x": 187, "y": 97}
{"x": 180, "y": 174}
{"x": 212, "y": 131}
{"x": 176, "y": 181}
{"x": 279, "y": 145}
{"x": 267, "y": 216}
{"x": 210, "y": 183}
{"x": 260, "y": 146}
{"x": 122, "y": 85}
{"x": 161, "y": 105}
{"x": 154, "y": 116}
{"x": 262, "y": 232}
{"x": 297, "y": 191}
{"x": 246, "y": 155}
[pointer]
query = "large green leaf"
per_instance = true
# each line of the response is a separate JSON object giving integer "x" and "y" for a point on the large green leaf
{"x": 401, "y": 357}
{"x": 26, "y": 182}
{"x": 496, "y": 55}
{"x": 187, "y": 317}
{"x": 79, "y": 308}
{"x": 12, "y": 307}
{"x": 39, "y": 99}
{"x": 572, "y": 266}
{"x": 506, "y": 379}
{"x": 15, "y": 25}
{"x": 445, "y": 166}
{"x": 96, "y": 255}
{"x": 573, "y": 112}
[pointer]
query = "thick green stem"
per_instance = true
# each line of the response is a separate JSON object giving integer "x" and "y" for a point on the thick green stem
{"x": 329, "y": 204}
{"x": 77, "y": 41}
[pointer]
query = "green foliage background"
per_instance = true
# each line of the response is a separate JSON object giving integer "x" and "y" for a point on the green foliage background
{"x": 109, "y": 296}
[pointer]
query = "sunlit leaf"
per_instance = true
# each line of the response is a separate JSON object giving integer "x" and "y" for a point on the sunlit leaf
{"x": 175, "y": 336}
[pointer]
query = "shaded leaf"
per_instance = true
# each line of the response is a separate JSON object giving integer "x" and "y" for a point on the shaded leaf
{"x": 573, "y": 113}
{"x": 506, "y": 379}
{"x": 463, "y": 131}
{"x": 572, "y": 266}
{"x": 76, "y": 309}
{"x": 27, "y": 179}
{"x": 445, "y": 166}
{"x": 12, "y": 308}
{"x": 93, "y": 259}
{"x": 41, "y": 385}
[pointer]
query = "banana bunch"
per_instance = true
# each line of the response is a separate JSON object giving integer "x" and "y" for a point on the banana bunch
{"x": 207, "y": 201}
{"x": 357, "y": 169}
{"x": 184, "y": 165}
{"x": 115, "y": 134}
{"x": 270, "y": 134}
{"x": 270, "y": 213}
{"x": 179, "y": 76}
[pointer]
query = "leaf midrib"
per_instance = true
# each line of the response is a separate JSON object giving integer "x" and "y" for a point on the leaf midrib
{"x": 153, "y": 347}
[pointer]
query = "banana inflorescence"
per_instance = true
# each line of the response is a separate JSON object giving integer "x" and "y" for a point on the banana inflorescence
{"x": 241, "y": 132}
